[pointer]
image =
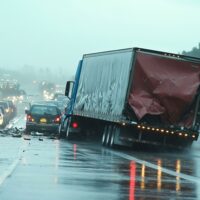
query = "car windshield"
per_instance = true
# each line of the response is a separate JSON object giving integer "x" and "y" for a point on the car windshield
{"x": 42, "y": 110}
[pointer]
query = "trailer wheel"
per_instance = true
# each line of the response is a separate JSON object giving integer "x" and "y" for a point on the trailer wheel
{"x": 109, "y": 134}
{"x": 112, "y": 139}
{"x": 104, "y": 136}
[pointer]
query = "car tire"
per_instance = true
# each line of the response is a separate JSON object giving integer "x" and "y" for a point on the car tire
{"x": 27, "y": 131}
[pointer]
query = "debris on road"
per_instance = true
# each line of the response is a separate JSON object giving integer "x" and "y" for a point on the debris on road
{"x": 36, "y": 133}
{"x": 27, "y": 138}
{"x": 14, "y": 131}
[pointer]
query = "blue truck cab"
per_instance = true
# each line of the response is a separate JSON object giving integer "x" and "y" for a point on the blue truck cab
{"x": 70, "y": 92}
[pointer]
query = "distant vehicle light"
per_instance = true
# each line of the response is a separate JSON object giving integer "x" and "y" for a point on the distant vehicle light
{"x": 7, "y": 110}
{"x": 1, "y": 119}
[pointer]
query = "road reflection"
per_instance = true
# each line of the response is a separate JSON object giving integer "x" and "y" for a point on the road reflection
{"x": 112, "y": 177}
{"x": 147, "y": 183}
{"x": 159, "y": 175}
{"x": 74, "y": 151}
{"x": 132, "y": 180}
{"x": 178, "y": 170}
{"x": 142, "y": 185}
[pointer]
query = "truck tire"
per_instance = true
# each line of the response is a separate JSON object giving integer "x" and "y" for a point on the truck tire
{"x": 112, "y": 139}
{"x": 68, "y": 133}
{"x": 61, "y": 134}
{"x": 109, "y": 133}
{"x": 104, "y": 136}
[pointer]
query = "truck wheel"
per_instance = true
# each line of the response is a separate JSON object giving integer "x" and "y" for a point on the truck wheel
{"x": 112, "y": 139}
{"x": 109, "y": 133}
{"x": 68, "y": 134}
{"x": 104, "y": 136}
{"x": 61, "y": 134}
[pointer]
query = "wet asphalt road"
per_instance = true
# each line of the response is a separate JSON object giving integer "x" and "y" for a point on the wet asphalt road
{"x": 43, "y": 168}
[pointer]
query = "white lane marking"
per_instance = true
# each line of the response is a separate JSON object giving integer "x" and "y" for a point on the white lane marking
{"x": 153, "y": 166}
{"x": 8, "y": 172}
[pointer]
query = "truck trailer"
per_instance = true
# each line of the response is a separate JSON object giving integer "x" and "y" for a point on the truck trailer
{"x": 134, "y": 96}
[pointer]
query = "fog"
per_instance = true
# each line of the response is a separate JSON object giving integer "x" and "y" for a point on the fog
{"x": 45, "y": 39}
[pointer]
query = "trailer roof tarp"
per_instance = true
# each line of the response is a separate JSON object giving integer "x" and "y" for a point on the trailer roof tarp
{"x": 163, "y": 86}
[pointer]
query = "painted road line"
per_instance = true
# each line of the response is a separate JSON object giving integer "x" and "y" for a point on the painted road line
{"x": 8, "y": 172}
{"x": 153, "y": 166}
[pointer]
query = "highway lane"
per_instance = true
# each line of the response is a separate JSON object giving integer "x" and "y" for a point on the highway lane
{"x": 44, "y": 168}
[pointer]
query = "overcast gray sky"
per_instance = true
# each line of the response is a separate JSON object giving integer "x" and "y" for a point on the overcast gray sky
{"x": 55, "y": 33}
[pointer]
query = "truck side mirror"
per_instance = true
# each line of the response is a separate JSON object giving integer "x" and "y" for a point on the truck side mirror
{"x": 68, "y": 89}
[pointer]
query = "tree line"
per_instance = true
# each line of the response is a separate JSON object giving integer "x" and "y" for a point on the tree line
{"x": 195, "y": 52}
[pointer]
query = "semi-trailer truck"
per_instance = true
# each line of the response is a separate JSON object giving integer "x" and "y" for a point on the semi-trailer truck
{"x": 134, "y": 95}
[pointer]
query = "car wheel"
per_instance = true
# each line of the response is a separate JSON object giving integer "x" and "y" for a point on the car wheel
{"x": 27, "y": 132}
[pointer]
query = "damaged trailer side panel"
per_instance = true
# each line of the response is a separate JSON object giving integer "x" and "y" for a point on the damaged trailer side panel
{"x": 166, "y": 87}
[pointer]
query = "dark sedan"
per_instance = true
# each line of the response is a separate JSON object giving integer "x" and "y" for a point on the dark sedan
{"x": 43, "y": 118}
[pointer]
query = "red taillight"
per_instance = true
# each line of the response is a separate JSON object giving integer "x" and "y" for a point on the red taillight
{"x": 29, "y": 118}
{"x": 75, "y": 125}
{"x": 57, "y": 119}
